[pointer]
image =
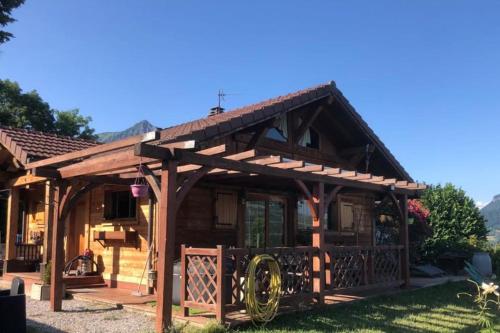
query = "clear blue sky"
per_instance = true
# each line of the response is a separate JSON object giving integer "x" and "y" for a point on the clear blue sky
{"x": 424, "y": 74}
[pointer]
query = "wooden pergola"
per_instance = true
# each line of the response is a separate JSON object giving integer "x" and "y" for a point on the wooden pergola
{"x": 171, "y": 170}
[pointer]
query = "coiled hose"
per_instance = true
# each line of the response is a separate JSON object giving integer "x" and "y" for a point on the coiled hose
{"x": 262, "y": 312}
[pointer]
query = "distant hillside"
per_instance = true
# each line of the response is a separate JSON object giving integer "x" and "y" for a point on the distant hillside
{"x": 139, "y": 128}
{"x": 492, "y": 213}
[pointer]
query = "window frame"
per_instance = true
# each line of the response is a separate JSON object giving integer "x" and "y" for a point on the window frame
{"x": 108, "y": 199}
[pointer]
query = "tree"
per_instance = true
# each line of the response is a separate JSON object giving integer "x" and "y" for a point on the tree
{"x": 454, "y": 218}
{"x": 72, "y": 123}
{"x": 28, "y": 110}
{"x": 6, "y": 7}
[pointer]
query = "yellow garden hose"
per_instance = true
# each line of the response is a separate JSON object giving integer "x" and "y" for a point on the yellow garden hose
{"x": 262, "y": 312}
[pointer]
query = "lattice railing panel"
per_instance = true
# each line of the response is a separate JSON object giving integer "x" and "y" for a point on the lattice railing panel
{"x": 387, "y": 265}
{"x": 295, "y": 266}
{"x": 348, "y": 268}
{"x": 201, "y": 279}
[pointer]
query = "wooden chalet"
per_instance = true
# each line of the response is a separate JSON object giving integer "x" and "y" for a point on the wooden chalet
{"x": 301, "y": 177}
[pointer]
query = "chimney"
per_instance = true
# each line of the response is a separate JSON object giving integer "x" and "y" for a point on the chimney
{"x": 215, "y": 111}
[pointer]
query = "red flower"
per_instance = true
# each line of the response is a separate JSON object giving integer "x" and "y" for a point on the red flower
{"x": 88, "y": 253}
{"x": 417, "y": 210}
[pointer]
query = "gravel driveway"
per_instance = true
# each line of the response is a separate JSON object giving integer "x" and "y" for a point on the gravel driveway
{"x": 80, "y": 316}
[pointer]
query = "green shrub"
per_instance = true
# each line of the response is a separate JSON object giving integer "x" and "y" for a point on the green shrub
{"x": 457, "y": 224}
{"x": 495, "y": 260}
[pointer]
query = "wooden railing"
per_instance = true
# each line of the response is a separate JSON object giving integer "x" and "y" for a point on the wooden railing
{"x": 201, "y": 282}
{"x": 214, "y": 279}
{"x": 28, "y": 252}
{"x": 296, "y": 266}
{"x": 358, "y": 266}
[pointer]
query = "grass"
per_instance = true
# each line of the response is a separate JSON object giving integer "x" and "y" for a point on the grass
{"x": 436, "y": 309}
{"x": 177, "y": 308}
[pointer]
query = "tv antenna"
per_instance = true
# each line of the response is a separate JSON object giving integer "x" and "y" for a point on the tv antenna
{"x": 221, "y": 96}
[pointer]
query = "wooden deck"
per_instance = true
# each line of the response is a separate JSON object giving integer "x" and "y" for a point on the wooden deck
{"x": 70, "y": 281}
{"x": 123, "y": 298}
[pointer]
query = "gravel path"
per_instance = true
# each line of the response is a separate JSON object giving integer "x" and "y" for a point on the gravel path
{"x": 80, "y": 316}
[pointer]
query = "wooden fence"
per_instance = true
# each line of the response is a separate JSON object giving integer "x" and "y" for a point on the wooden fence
{"x": 214, "y": 279}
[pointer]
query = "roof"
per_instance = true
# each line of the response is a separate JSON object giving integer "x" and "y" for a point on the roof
{"x": 229, "y": 122}
{"x": 26, "y": 145}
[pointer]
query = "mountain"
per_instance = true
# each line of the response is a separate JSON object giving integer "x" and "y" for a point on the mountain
{"x": 492, "y": 213}
{"x": 141, "y": 127}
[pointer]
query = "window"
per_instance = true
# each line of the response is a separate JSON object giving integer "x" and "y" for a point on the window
{"x": 346, "y": 216}
{"x": 226, "y": 210}
{"x": 280, "y": 131}
{"x": 264, "y": 221}
{"x": 119, "y": 205}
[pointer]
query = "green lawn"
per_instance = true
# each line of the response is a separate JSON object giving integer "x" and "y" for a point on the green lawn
{"x": 435, "y": 309}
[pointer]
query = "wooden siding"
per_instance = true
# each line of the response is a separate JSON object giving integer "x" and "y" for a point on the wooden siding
{"x": 119, "y": 261}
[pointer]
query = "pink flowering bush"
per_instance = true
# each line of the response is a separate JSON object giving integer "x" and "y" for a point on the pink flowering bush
{"x": 417, "y": 210}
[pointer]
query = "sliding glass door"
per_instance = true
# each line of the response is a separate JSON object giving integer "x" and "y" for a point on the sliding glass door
{"x": 264, "y": 221}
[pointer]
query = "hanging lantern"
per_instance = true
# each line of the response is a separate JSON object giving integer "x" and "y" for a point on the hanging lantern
{"x": 140, "y": 188}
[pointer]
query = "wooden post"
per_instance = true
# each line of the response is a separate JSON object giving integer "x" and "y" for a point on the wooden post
{"x": 56, "y": 287}
{"x": 184, "y": 310}
{"x": 405, "y": 257}
{"x": 48, "y": 218}
{"x": 318, "y": 241}
{"x": 12, "y": 226}
{"x": 166, "y": 248}
{"x": 220, "y": 299}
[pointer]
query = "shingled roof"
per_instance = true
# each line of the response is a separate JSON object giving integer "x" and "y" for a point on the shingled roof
{"x": 232, "y": 121}
{"x": 27, "y": 145}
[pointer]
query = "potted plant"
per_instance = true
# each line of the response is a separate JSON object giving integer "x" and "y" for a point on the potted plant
{"x": 86, "y": 262}
{"x": 41, "y": 292}
{"x": 140, "y": 188}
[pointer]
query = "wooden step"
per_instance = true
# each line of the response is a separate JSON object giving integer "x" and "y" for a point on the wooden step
{"x": 81, "y": 280}
{"x": 89, "y": 286}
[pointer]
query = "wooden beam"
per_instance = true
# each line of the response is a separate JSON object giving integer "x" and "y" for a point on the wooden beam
{"x": 301, "y": 130}
{"x": 152, "y": 151}
{"x": 48, "y": 217}
{"x": 318, "y": 241}
{"x": 259, "y": 134}
{"x": 74, "y": 197}
{"x": 332, "y": 196}
{"x": 166, "y": 248}
{"x": 153, "y": 181}
{"x": 266, "y": 160}
{"x": 289, "y": 165}
{"x": 311, "y": 168}
{"x": 49, "y": 173}
{"x": 111, "y": 162}
{"x": 271, "y": 170}
{"x": 305, "y": 191}
{"x": 57, "y": 262}
{"x": 184, "y": 189}
{"x": 12, "y": 224}
{"x": 25, "y": 180}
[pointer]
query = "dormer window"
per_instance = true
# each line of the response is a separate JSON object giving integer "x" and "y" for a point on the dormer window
{"x": 280, "y": 131}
